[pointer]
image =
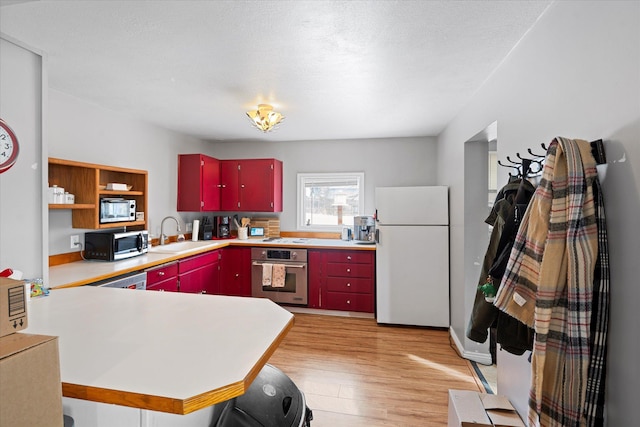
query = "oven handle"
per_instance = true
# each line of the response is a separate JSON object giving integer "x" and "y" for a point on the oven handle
{"x": 286, "y": 265}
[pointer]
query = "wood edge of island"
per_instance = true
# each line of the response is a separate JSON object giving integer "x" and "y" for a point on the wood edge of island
{"x": 174, "y": 405}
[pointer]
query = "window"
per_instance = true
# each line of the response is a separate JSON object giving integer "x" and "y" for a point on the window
{"x": 327, "y": 201}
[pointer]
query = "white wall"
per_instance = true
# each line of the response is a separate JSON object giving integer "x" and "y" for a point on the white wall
{"x": 575, "y": 74}
{"x": 385, "y": 162}
{"x": 85, "y": 132}
{"x": 21, "y": 208}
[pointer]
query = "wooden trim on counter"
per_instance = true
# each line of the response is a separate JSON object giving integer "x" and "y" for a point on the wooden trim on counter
{"x": 68, "y": 257}
{"x": 175, "y": 405}
{"x": 60, "y": 259}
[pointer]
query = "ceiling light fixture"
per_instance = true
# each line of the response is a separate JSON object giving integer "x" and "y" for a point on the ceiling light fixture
{"x": 264, "y": 118}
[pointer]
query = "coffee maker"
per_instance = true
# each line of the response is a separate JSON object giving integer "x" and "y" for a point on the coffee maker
{"x": 364, "y": 229}
{"x": 222, "y": 227}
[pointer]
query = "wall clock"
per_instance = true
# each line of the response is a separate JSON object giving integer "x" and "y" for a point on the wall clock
{"x": 9, "y": 147}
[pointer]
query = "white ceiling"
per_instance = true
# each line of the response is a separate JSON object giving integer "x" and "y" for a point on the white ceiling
{"x": 335, "y": 69}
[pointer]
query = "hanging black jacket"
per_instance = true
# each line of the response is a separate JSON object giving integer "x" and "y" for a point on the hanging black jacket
{"x": 484, "y": 314}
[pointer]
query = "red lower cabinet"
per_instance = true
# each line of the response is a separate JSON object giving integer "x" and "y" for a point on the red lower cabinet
{"x": 163, "y": 278}
{"x": 199, "y": 274}
{"x": 235, "y": 271}
{"x": 316, "y": 264}
{"x": 342, "y": 280}
{"x": 350, "y": 301}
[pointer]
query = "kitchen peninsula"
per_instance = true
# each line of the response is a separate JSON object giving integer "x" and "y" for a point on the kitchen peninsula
{"x": 160, "y": 358}
{"x": 155, "y": 354}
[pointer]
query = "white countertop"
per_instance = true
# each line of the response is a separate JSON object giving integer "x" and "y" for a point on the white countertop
{"x": 84, "y": 272}
{"x": 163, "y": 351}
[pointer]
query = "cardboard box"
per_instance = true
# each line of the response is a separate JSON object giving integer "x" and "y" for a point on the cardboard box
{"x": 13, "y": 306}
{"x": 30, "y": 386}
{"x": 473, "y": 409}
{"x": 466, "y": 410}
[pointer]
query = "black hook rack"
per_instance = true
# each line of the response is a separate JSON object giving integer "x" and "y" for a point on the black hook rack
{"x": 597, "y": 150}
{"x": 523, "y": 166}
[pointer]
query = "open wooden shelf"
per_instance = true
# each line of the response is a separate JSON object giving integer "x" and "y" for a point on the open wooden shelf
{"x": 72, "y": 206}
{"x": 87, "y": 182}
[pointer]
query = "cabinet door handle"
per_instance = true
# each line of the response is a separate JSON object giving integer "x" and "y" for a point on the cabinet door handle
{"x": 349, "y": 257}
{"x": 237, "y": 274}
{"x": 348, "y": 285}
{"x": 348, "y": 270}
{"x": 160, "y": 273}
{"x": 242, "y": 186}
{"x": 348, "y": 301}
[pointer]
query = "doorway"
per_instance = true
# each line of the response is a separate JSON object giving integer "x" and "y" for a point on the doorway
{"x": 480, "y": 189}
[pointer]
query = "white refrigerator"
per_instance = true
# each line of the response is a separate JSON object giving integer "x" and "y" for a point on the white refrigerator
{"x": 412, "y": 256}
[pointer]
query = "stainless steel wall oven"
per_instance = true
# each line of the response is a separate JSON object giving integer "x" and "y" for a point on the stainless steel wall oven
{"x": 294, "y": 290}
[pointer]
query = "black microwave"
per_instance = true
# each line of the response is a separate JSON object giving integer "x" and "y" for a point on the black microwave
{"x": 115, "y": 209}
{"x": 114, "y": 245}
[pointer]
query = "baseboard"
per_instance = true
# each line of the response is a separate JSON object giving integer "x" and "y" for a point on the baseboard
{"x": 482, "y": 358}
{"x": 294, "y": 309}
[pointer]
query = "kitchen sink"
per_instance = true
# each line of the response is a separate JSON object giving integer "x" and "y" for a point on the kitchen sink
{"x": 180, "y": 247}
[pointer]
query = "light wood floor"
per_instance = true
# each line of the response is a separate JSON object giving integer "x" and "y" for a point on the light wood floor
{"x": 355, "y": 373}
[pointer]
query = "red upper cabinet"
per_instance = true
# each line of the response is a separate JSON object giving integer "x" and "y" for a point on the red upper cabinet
{"x": 251, "y": 185}
{"x": 229, "y": 185}
{"x": 198, "y": 183}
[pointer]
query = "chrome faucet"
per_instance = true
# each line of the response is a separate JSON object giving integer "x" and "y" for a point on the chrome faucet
{"x": 163, "y": 237}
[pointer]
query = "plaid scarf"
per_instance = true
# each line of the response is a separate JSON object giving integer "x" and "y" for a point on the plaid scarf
{"x": 594, "y": 405}
{"x": 548, "y": 284}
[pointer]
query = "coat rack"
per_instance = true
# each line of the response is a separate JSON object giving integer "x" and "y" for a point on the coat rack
{"x": 524, "y": 166}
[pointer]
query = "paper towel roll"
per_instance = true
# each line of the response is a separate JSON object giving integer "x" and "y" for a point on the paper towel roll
{"x": 195, "y": 230}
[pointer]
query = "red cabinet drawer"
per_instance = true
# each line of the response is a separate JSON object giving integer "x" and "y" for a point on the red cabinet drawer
{"x": 350, "y": 284}
{"x": 197, "y": 261}
{"x": 352, "y": 257}
{"x": 350, "y": 302}
{"x": 159, "y": 274}
{"x": 169, "y": 285}
{"x": 349, "y": 270}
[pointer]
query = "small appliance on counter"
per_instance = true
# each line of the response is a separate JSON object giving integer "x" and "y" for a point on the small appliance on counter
{"x": 115, "y": 245}
{"x": 116, "y": 209}
{"x": 222, "y": 227}
{"x": 206, "y": 228}
{"x": 364, "y": 229}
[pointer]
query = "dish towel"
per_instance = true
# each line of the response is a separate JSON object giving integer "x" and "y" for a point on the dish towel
{"x": 266, "y": 274}
{"x": 279, "y": 271}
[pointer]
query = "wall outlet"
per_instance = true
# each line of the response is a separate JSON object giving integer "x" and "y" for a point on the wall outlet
{"x": 75, "y": 241}
{"x": 189, "y": 227}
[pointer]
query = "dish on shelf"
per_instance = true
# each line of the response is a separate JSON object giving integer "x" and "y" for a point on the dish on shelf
{"x": 110, "y": 186}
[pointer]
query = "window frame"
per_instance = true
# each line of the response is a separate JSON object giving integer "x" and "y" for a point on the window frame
{"x": 302, "y": 178}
